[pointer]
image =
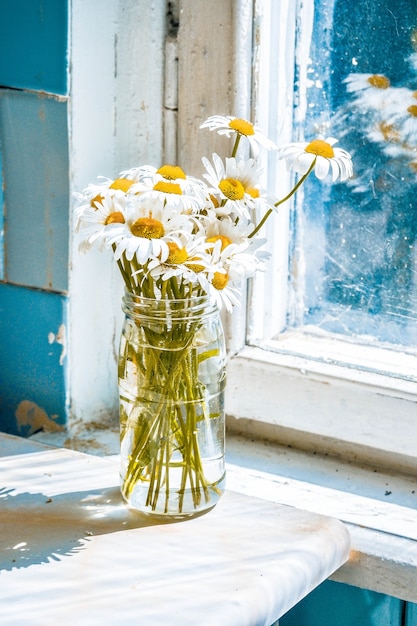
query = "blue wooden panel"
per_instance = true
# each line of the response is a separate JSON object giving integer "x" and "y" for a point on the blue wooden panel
{"x": 34, "y": 143}
{"x": 33, "y": 45}
{"x": 1, "y": 217}
{"x": 334, "y": 604}
{"x": 32, "y": 360}
{"x": 411, "y": 614}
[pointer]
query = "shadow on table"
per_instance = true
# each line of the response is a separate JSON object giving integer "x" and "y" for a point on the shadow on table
{"x": 35, "y": 528}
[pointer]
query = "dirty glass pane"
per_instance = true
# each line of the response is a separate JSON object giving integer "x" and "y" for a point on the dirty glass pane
{"x": 353, "y": 263}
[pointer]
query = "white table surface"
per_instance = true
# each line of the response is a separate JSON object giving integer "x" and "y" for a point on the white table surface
{"x": 72, "y": 553}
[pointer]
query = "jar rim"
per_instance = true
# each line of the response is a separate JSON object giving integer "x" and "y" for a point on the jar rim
{"x": 134, "y": 304}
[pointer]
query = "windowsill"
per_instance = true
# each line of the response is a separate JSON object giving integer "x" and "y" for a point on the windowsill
{"x": 283, "y": 398}
{"x": 82, "y": 553}
{"x": 379, "y": 508}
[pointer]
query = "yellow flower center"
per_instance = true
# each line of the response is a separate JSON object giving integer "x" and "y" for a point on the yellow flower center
{"x": 176, "y": 254}
{"x": 115, "y": 218}
{"x": 220, "y": 280}
{"x": 121, "y": 184}
{"x": 215, "y": 202}
{"x": 148, "y": 228}
{"x": 242, "y": 126}
{"x": 389, "y": 132}
{"x": 232, "y": 189}
{"x": 171, "y": 172}
{"x": 225, "y": 240}
{"x": 253, "y": 192}
{"x": 412, "y": 110}
{"x": 168, "y": 187}
{"x": 98, "y": 198}
{"x": 320, "y": 148}
{"x": 379, "y": 81}
{"x": 413, "y": 166}
{"x": 194, "y": 265}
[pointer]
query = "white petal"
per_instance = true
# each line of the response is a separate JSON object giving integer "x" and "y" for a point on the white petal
{"x": 321, "y": 168}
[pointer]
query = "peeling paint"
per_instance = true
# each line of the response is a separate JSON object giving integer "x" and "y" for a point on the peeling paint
{"x": 60, "y": 338}
{"x": 29, "y": 414}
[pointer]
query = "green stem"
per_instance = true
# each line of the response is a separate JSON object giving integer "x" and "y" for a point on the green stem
{"x": 235, "y": 147}
{"x": 287, "y": 197}
{"x": 125, "y": 275}
{"x": 168, "y": 378}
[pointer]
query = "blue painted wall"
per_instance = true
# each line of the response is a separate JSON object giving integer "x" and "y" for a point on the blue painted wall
{"x": 33, "y": 40}
{"x": 334, "y": 604}
{"x": 32, "y": 360}
{"x": 34, "y": 214}
{"x": 34, "y": 137}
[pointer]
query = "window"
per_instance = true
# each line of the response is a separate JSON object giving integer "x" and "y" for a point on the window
{"x": 352, "y": 260}
{"x": 330, "y": 359}
{"x": 358, "y": 240}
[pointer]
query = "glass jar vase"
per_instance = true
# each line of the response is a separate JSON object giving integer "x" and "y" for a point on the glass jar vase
{"x": 172, "y": 376}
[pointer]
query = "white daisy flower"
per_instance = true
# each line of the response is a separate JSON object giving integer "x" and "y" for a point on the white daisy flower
{"x": 93, "y": 196}
{"x": 373, "y": 94}
{"x": 229, "y": 230}
{"x": 179, "y": 195}
{"x": 231, "y": 264}
{"x": 362, "y": 82}
{"x": 390, "y": 113}
{"x": 168, "y": 184}
{"x": 239, "y": 259}
{"x": 400, "y": 123}
{"x": 139, "y": 174}
{"x": 95, "y": 221}
{"x": 301, "y": 156}
{"x": 223, "y": 293}
{"x": 147, "y": 231}
{"x": 225, "y": 282}
{"x": 190, "y": 186}
{"x": 187, "y": 261}
{"x": 227, "y": 125}
{"x": 109, "y": 187}
{"x": 231, "y": 181}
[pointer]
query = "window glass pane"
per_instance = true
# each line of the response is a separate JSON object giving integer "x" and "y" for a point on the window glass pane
{"x": 353, "y": 262}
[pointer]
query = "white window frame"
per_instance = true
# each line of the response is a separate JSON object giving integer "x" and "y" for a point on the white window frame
{"x": 297, "y": 390}
{"x": 319, "y": 393}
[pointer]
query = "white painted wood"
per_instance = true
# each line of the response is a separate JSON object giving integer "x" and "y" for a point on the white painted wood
{"x": 205, "y": 79}
{"x": 379, "y": 508}
{"x": 279, "y": 27}
{"x": 92, "y": 283}
{"x": 140, "y": 85}
{"x": 91, "y": 560}
{"x": 384, "y": 516}
{"x": 381, "y": 562}
{"x": 116, "y": 65}
{"x": 170, "y": 100}
{"x": 281, "y": 397}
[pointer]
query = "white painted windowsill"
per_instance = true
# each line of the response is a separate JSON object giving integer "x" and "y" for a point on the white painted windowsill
{"x": 68, "y": 537}
{"x": 378, "y": 508}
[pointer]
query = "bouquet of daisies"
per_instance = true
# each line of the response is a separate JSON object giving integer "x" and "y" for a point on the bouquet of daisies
{"x": 176, "y": 236}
